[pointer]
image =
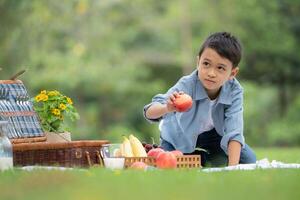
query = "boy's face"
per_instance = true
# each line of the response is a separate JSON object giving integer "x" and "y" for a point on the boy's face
{"x": 214, "y": 71}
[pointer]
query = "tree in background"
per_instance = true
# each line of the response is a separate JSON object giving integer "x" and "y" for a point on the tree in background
{"x": 112, "y": 56}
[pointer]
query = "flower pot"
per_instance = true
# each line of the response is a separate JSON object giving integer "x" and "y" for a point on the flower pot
{"x": 58, "y": 137}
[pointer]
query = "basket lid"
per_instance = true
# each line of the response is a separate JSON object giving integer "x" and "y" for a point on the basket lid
{"x": 47, "y": 145}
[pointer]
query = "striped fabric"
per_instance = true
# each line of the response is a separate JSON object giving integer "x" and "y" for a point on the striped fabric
{"x": 14, "y": 103}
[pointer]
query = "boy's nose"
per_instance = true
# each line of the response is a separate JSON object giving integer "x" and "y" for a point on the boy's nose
{"x": 211, "y": 73}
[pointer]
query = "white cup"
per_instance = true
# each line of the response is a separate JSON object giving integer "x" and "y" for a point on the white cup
{"x": 114, "y": 163}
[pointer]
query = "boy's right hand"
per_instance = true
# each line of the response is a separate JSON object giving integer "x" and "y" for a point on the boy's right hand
{"x": 170, "y": 102}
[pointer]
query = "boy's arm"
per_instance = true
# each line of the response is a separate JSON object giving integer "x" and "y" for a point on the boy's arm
{"x": 234, "y": 152}
{"x": 157, "y": 110}
{"x": 233, "y": 127}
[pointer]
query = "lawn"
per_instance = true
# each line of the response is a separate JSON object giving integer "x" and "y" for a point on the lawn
{"x": 98, "y": 183}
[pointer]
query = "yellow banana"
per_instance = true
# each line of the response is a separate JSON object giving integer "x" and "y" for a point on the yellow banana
{"x": 126, "y": 148}
{"x": 137, "y": 147}
{"x": 122, "y": 150}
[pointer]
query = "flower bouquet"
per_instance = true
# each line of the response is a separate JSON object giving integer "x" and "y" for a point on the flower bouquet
{"x": 54, "y": 109}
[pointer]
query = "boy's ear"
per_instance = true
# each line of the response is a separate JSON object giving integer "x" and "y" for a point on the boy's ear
{"x": 234, "y": 72}
{"x": 198, "y": 60}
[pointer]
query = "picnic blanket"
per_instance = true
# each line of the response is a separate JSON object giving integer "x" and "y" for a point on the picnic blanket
{"x": 32, "y": 168}
{"x": 260, "y": 164}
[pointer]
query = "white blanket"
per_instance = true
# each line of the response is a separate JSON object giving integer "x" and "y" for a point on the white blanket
{"x": 31, "y": 168}
{"x": 260, "y": 164}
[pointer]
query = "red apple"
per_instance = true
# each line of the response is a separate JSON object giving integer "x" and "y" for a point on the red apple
{"x": 183, "y": 102}
{"x": 154, "y": 152}
{"x": 139, "y": 166}
{"x": 177, "y": 153}
{"x": 166, "y": 160}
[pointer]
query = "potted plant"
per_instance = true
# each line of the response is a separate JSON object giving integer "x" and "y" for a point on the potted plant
{"x": 54, "y": 110}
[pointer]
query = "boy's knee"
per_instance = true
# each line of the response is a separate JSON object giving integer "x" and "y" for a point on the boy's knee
{"x": 166, "y": 145}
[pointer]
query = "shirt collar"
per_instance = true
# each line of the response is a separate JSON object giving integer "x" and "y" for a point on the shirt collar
{"x": 224, "y": 96}
{"x": 200, "y": 92}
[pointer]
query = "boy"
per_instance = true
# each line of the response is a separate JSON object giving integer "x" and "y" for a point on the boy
{"x": 215, "y": 121}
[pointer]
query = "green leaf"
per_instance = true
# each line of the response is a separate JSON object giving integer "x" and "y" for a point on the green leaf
{"x": 201, "y": 149}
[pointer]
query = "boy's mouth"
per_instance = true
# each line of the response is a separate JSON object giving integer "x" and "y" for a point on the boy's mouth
{"x": 209, "y": 81}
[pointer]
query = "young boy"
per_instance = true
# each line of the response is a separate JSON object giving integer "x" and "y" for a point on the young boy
{"x": 215, "y": 121}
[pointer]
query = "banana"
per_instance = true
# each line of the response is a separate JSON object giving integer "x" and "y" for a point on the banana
{"x": 126, "y": 148}
{"x": 137, "y": 147}
{"x": 122, "y": 150}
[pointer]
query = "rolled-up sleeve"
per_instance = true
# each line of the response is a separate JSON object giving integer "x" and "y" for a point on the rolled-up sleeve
{"x": 146, "y": 107}
{"x": 233, "y": 124}
{"x": 163, "y": 98}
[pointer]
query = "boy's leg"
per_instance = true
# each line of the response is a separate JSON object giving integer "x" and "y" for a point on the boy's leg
{"x": 210, "y": 141}
{"x": 247, "y": 155}
{"x": 215, "y": 156}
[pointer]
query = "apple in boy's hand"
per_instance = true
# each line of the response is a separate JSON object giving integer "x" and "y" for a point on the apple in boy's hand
{"x": 154, "y": 152}
{"x": 177, "y": 153}
{"x": 183, "y": 102}
{"x": 166, "y": 160}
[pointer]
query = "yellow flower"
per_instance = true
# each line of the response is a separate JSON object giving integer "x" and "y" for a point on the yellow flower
{"x": 41, "y": 97}
{"x": 52, "y": 93}
{"x": 38, "y": 98}
{"x": 69, "y": 100}
{"x": 56, "y": 92}
{"x": 61, "y": 117}
{"x": 44, "y": 97}
{"x": 43, "y": 92}
{"x": 62, "y": 106}
{"x": 56, "y": 111}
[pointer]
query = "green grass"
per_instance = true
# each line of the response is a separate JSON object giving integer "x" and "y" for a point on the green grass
{"x": 289, "y": 155}
{"x": 98, "y": 183}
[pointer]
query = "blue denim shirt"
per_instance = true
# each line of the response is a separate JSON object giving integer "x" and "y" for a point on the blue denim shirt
{"x": 181, "y": 129}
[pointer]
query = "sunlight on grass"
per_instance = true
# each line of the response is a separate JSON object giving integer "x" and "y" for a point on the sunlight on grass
{"x": 99, "y": 183}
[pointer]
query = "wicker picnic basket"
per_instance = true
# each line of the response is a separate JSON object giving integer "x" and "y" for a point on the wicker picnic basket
{"x": 186, "y": 161}
{"x": 67, "y": 154}
{"x": 16, "y": 108}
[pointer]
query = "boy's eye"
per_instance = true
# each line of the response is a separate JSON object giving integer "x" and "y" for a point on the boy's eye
{"x": 205, "y": 63}
{"x": 221, "y": 68}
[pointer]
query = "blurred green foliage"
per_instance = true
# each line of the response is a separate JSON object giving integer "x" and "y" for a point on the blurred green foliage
{"x": 112, "y": 56}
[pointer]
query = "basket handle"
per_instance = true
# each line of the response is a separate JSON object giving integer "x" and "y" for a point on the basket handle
{"x": 100, "y": 158}
{"x": 87, "y": 154}
{"x": 19, "y": 73}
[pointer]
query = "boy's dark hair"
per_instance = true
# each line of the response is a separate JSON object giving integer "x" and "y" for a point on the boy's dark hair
{"x": 226, "y": 45}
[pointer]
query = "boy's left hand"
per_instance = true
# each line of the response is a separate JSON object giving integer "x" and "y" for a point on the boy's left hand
{"x": 182, "y": 102}
{"x": 170, "y": 102}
